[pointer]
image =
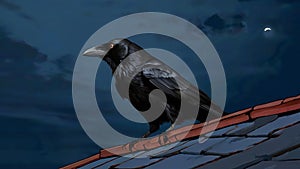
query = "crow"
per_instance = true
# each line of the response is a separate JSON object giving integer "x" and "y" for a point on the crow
{"x": 153, "y": 74}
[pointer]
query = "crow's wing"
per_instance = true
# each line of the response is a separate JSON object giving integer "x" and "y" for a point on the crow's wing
{"x": 173, "y": 84}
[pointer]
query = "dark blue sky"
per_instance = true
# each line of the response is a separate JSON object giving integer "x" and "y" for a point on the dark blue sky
{"x": 39, "y": 43}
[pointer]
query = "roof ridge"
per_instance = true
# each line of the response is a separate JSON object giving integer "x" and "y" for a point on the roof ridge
{"x": 278, "y": 107}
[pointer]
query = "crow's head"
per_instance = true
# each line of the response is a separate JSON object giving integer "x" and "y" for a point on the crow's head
{"x": 113, "y": 52}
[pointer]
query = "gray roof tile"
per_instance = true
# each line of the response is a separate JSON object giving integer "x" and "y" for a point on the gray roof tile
{"x": 263, "y": 151}
{"x": 198, "y": 147}
{"x": 114, "y": 161}
{"x": 278, "y": 123}
{"x": 291, "y": 155}
{"x": 98, "y": 163}
{"x": 277, "y": 165}
{"x": 234, "y": 144}
{"x": 255, "y": 125}
{"x": 182, "y": 161}
{"x": 221, "y": 132}
{"x": 138, "y": 162}
{"x": 240, "y": 127}
{"x": 111, "y": 163}
{"x": 176, "y": 149}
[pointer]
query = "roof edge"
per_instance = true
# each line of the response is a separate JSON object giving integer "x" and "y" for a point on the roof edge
{"x": 278, "y": 107}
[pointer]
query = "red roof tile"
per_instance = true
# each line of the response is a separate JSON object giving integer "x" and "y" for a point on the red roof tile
{"x": 286, "y": 107}
{"x": 270, "y": 104}
{"x": 291, "y": 98}
{"x": 273, "y": 108}
{"x": 83, "y": 162}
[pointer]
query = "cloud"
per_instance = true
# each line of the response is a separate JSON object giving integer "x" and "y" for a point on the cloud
{"x": 15, "y": 8}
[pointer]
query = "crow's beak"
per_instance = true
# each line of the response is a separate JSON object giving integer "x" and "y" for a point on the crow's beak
{"x": 98, "y": 51}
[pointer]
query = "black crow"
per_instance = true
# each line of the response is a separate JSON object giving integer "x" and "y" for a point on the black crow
{"x": 153, "y": 74}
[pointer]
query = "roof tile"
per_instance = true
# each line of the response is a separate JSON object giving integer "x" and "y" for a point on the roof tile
{"x": 83, "y": 162}
{"x": 247, "y": 115}
{"x": 152, "y": 145}
{"x": 291, "y": 155}
{"x": 110, "y": 151}
{"x": 117, "y": 161}
{"x": 138, "y": 162}
{"x": 240, "y": 112}
{"x": 199, "y": 147}
{"x": 182, "y": 161}
{"x": 269, "y": 148}
{"x": 98, "y": 163}
{"x": 291, "y": 99}
{"x": 270, "y": 104}
{"x": 228, "y": 121}
{"x": 241, "y": 128}
{"x": 276, "y": 164}
{"x": 255, "y": 125}
{"x": 140, "y": 145}
{"x": 293, "y": 105}
{"x": 158, "y": 150}
{"x": 176, "y": 149}
{"x": 108, "y": 164}
{"x": 234, "y": 144}
{"x": 278, "y": 123}
{"x": 183, "y": 129}
{"x": 222, "y": 132}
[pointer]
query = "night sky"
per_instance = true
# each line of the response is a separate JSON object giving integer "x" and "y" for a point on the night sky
{"x": 40, "y": 41}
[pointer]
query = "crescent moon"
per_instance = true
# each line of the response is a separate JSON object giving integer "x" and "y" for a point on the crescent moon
{"x": 267, "y": 29}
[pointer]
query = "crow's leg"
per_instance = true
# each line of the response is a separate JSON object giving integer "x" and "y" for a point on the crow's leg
{"x": 154, "y": 126}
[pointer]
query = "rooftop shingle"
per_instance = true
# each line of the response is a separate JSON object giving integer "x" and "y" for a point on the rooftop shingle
{"x": 260, "y": 136}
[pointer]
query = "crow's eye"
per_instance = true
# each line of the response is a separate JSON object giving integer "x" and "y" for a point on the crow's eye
{"x": 111, "y": 45}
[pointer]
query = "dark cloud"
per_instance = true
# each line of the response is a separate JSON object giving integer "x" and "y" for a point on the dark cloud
{"x": 25, "y": 16}
{"x": 217, "y": 23}
{"x": 15, "y": 8}
{"x": 9, "y": 5}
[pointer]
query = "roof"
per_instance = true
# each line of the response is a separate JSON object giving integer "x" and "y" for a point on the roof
{"x": 258, "y": 137}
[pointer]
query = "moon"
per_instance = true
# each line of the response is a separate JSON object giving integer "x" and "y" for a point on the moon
{"x": 267, "y": 29}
